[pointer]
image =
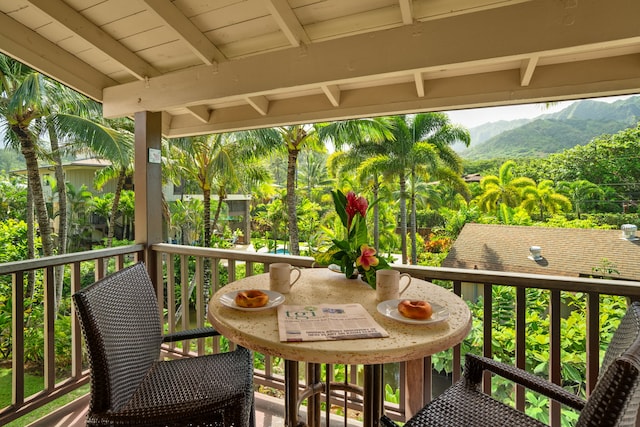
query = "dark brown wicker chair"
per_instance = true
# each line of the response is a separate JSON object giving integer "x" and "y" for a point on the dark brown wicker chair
{"x": 614, "y": 401}
{"x": 131, "y": 386}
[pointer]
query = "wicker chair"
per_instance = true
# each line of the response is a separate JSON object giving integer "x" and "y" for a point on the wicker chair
{"x": 614, "y": 401}
{"x": 131, "y": 386}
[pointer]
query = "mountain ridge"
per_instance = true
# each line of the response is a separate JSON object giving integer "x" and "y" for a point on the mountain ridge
{"x": 576, "y": 124}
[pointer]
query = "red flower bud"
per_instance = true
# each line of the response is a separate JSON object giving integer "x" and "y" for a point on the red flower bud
{"x": 355, "y": 205}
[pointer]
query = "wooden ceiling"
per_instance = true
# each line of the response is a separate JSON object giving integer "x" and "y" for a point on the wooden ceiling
{"x": 222, "y": 65}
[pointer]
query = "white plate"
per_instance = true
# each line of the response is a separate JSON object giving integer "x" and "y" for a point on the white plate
{"x": 389, "y": 309}
{"x": 275, "y": 299}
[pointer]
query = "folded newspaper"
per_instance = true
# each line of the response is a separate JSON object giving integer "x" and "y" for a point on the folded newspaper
{"x": 324, "y": 322}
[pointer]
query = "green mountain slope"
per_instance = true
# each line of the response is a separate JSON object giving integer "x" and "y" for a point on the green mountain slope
{"x": 551, "y": 133}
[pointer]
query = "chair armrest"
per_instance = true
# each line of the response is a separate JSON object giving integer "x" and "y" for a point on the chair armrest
{"x": 190, "y": 334}
{"x": 475, "y": 365}
{"x": 387, "y": 422}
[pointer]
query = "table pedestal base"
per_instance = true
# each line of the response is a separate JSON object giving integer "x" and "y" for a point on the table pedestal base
{"x": 373, "y": 401}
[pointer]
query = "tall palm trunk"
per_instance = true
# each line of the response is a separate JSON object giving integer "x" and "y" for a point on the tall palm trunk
{"x": 206, "y": 196}
{"x": 412, "y": 221}
{"x": 31, "y": 243}
{"x": 216, "y": 215}
{"x": 376, "y": 216}
{"x": 114, "y": 208}
{"x": 61, "y": 188}
{"x": 28, "y": 150}
{"x": 294, "y": 237}
{"x": 403, "y": 218}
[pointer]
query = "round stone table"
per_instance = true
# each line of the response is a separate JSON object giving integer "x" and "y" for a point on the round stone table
{"x": 258, "y": 330}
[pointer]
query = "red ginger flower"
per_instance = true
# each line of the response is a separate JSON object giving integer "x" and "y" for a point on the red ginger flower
{"x": 355, "y": 205}
{"x": 367, "y": 258}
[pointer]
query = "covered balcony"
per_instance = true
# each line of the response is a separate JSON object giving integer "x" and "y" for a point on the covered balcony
{"x": 196, "y": 67}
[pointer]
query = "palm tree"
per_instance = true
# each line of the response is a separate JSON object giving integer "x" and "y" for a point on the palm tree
{"x": 294, "y": 139}
{"x": 101, "y": 206}
{"x": 79, "y": 200}
{"x": 26, "y": 96}
{"x": 580, "y": 192}
{"x": 543, "y": 198}
{"x": 70, "y": 104}
{"x": 111, "y": 140}
{"x": 313, "y": 175}
{"x": 29, "y": 103}
{"x": 216, "y": 163}
{"x": 128, "y": 211}
{"x": 502, "y": 189}
{"x": 420, "y": 147}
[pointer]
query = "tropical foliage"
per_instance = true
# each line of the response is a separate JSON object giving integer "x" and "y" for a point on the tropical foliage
{"x": 351, "y": 249}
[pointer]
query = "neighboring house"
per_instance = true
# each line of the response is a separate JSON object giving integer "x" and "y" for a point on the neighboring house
{"x": 563, "y": 252}
{"x": 77, "y": 173}
{"x": 472, "y": 177}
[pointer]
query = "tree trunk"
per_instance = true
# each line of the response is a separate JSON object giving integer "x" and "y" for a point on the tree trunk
{"x": 61, "y": 189}
{"x": 412, "y": 221}
{"x": 216, "y": 216}
{"x": 403, "y": 218}
{"x": 376, "y": 216}
{"x": 31, "y": 243}
{"x": 207, "y": 217}
{"x": 33, "y": 175}
{"x": 114, "y": 208}
{"x": 294, "y": 238}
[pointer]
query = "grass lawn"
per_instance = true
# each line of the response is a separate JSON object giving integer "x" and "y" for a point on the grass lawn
{"x": 33, "y": 384}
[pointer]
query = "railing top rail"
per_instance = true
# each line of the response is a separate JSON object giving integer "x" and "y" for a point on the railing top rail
{"x": 565, "y": 283}
{"x": 301, "y": 261}
{"x": 52, "y": 261}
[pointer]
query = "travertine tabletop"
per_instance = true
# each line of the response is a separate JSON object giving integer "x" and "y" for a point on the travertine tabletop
{"x": 258, "y": 330}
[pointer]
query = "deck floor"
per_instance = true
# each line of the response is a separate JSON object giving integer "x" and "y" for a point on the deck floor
{"x": 269, "y": 413}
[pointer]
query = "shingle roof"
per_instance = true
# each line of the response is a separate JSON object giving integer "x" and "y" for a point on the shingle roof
{"x": 565, "y": 251}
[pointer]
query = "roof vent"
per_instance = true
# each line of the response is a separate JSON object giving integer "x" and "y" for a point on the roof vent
{"x": 536, "y": 253}
{"x": 629, "y": 231}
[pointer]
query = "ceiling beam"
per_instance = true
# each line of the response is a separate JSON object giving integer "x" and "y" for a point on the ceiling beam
{"x": 186, "y": 30}
{"x": 259, "y": 103}
{"x": 526, "y": 70}
{"x": 333, "y": 94}
{"x": 69, "y": 18}
{"x": 516, "y": 35}
{"x": 419, "y": 80}
{"x": 30, "y": 48}
{"x": 602, "y": 77}
{"x": 287, "y": 21}
{"x": 200, "y": 112}
{"x": 406, "y": 10}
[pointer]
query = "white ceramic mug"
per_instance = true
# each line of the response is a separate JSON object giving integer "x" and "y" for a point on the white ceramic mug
{"x": 280, "y": 277}
{"x": 388, "y": 284}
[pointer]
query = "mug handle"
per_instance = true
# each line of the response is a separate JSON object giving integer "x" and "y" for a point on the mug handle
{"x": 298, "y": 276}
{"x": 408, "y": 283}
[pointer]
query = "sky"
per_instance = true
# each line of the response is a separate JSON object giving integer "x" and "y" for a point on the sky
{"x": 478, "y": 116}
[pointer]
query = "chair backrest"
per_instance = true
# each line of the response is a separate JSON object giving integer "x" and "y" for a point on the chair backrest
{"x": 616, "y": 396}
{"x": 121, "y": 325}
